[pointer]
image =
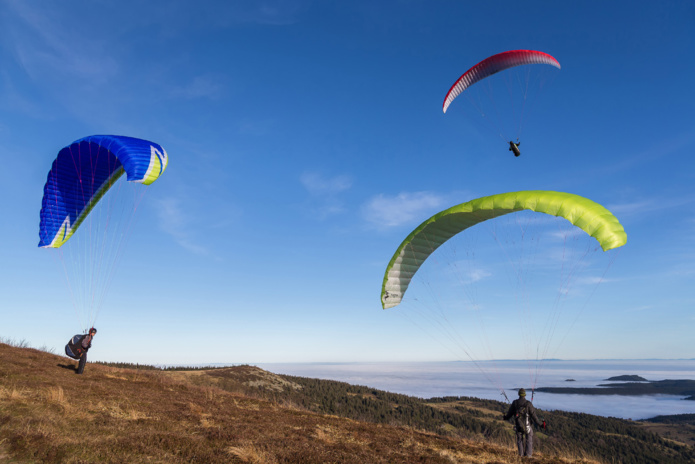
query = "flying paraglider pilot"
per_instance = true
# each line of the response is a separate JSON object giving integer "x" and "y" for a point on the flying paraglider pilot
{"x": 523, "y": 413}
{"x": 78, "y": 346}
{"x": 515, "y": 148}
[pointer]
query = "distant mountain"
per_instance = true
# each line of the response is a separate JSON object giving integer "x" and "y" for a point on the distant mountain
{"x": 627, "y": 378}
{"x": 684, "y": 387}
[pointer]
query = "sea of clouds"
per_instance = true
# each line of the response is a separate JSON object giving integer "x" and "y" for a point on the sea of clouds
{"x": 488, "y": 379}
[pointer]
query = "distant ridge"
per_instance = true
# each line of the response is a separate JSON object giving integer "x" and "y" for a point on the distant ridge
{"x": 627, "y": 378}
{"x": 679, "y": 387}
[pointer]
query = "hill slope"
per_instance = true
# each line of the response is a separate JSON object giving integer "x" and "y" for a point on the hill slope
{"x": 240, "y": 414}
{"x": 568, "y": 434}
{"x": 111, "y": 415}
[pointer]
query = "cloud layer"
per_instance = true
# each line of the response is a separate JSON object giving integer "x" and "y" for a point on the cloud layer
{"x": 383, "y": 211}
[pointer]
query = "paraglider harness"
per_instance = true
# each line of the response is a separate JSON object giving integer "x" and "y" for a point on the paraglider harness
{"x": 515, "y": 147}
{"x": 522, "y": 419}
{"x": 74, "y": 347}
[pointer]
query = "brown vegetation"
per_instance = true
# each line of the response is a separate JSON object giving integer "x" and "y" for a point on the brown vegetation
{"x": 49, "y": 414}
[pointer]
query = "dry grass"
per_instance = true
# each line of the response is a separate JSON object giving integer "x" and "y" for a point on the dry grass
{"x": 109, "y": 415}
{"x": 248, "y": 452}
{"x": 55, "y": 395}
{"x": 11, "y": 393}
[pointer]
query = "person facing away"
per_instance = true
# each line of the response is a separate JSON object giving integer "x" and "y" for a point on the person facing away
{"x": 86, "y": 344}
{"x": 523, "y": 412}
{"x": 515, "y": 148}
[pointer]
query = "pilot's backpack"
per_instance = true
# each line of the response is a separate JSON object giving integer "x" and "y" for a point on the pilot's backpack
{"x": 74, "y": 347}
{"x": 523, "y": 424}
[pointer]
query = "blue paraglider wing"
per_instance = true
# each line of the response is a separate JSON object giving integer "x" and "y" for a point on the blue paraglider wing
{"x": 84, "y": 171}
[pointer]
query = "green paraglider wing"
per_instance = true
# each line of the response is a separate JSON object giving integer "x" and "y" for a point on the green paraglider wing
{"x": 585, "y": 214}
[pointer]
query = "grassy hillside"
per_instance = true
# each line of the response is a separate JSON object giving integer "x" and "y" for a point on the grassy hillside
{"x": 48, "y": 414}
{"x": 569, "y": 434}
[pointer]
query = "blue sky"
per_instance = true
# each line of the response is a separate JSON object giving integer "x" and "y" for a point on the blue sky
{"x": 306, "y": 139}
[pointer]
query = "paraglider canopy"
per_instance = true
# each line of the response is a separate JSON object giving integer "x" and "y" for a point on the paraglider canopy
{"x": 84, "y": 171}
{"x": 583, "y": 213}
{"x": 493, "y": 65}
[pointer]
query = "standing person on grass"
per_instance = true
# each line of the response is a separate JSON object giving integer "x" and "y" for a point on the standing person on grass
{"x": 85, "y": 344}
{"x": 523, "y": 412}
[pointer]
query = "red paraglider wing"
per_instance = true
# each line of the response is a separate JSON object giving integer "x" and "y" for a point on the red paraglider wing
{"x": 495, "y": 64}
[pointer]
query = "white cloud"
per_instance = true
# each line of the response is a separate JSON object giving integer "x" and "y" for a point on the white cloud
{"x": 268, "y": 12}
{"x": 47, "y": 47}
{"x": 317, "y": 184}
{"x": 384, "y": 212}
{"x": 593, "y": 280}
{"x": 650, "y": 205}
{"x": 635, "y": 207}
{"x": 638, "y": 309}
{"x": 200, "y": 87}
{"x": 13, "y": 99}
{"x": 670, "y": 145}
{"x": 325, "y": 192}
{"x": 256, "y": 128}
{"x": 175, "y": 222}
{"x": 566, "y": 234}
{"x": 476, "y": 275}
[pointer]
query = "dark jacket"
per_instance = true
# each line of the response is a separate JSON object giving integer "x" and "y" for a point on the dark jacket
{"x": 78, "y": 345}
{"x": 86, "y": 342}
{"x": 523, "y": 412}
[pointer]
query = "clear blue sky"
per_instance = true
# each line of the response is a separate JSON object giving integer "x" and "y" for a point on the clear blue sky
{"x": 306, "y": 139}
